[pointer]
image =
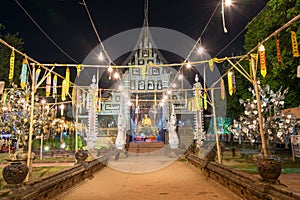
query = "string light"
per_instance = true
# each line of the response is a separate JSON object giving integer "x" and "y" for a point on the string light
{"x": 101, "y": 57}
{"x": 228, "y": 2}
{"x": 188, "y": 65}
{"x": 169, "y": 92}
{"x": 200, "y": 50}
{"x": 180, "y": 76}
{"x": 109, "y": 69}
{"x": 116, "y": 75}
{"x": 174, "y": 85}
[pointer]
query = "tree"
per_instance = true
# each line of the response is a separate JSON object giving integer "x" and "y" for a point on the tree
{"x": 276, "y": 14}
{"x": 5, "y": 53}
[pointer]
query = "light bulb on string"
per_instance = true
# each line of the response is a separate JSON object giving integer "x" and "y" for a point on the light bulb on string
{"x": 101, "y": 57}
{"x": 200, "y": 50}
{"x": 169, "y": 92}
{"x": 116, "y": 75}
{"x": 174, "y": 85}
{"x": 188, "y": 65}
{"x": 109, "y": 69}
{"x": 180, "y": 76}
{"x": 228, "y": 2}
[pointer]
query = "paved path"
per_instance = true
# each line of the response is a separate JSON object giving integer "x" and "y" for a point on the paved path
{"x": 176, "y": 181}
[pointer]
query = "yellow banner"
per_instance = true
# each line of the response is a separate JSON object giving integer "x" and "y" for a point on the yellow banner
{"x": 78, "y": 67}
{"x": 205, "y": 101}
{"x": 263, "y": 63}
{"x": 63, "y": 90}
{"x": 230, "y": 87}
{"x": 11, "y": 66}
{"x": 295, "y": 44}
{"x": 211, "y": 64}
{"x": 67, "y": 80}
{"x": 48, "y": 85}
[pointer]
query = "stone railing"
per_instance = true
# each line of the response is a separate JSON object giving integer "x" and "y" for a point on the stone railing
{"x": 50, "y": 186}
{"x": 243, "y": 184}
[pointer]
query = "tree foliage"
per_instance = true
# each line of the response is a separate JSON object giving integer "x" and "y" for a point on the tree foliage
{"x": 275, "y": 14}
{"x": 17, "y": 42}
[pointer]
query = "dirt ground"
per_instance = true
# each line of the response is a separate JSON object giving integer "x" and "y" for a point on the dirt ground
{"x": 176, "y": 181}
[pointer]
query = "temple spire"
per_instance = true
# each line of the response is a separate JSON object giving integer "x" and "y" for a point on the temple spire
{"x": 146, "y": 24}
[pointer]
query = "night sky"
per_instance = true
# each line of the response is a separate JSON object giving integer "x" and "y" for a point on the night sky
{"x": 67, "y": 23}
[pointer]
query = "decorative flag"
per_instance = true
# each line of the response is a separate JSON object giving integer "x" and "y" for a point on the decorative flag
{"x": 230, "y": 86}
{"x": 211, "y": 64}
{"x": 63, "y": 90}
{"x": 263, "y": 61}
{"x": 205, "y": 100}
{"x": 78, "y": 67}
{"x": 200, "y": 103}
{"x": 298, "y": 71}
{"x": 222, "y": 89}
{"x": 37, "y": 74}
{"x": 87, "y": 101}
{"x": 48, "y": 85}
{"x": 144, "y": 69}
{"x": 73, "y": 95}
{"x": 11, "y": 66}
{"x": 83, "y": 100}
{"x": 233, "y": 82}
{"x": 4, "y": 98}
{"x": 294, "y": 44}
{"x": 24, "y": 73}
{"x": 54, "y": 92}
{"x": 67, "y": 80}
{"x": 279, "y": 58}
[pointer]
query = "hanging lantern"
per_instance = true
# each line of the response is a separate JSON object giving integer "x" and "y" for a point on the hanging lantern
{"x": 24, "y": 73}
{"x": 222, "y": 89}
{"x": 230, "y": 86}
{"x": 279, "y": 58}
{"x": 11, "y": 66}
{"x": 54, "y": 92}
{"x": 263, "y": 61}
{"x": 48, "y": 85}
{"x": 294, "y": 44}
{"x": 233, "y": 82}
{"x": 67, "y": 80}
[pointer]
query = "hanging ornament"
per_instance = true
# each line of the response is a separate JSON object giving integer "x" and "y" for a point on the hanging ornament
{"x": 294, "y": 43}
{"x": 24, "y": 73}
{"x": 279, "y": 58}
{"x": 230, "y": 86}
{"x": 222, "y": 89}
{"x": 73, "y": 95}
{"x": 67, "y": 80}
{"x": 144, "y": 69}
{"x": 263, "y": 61}
{"x": 37, "y": 74}
{"x": 63, "y": 90}
{"x": 205, "y": 100}
{"x": 252, "y": 63}
{"x": 200, "y": 102}
{"x": 211, "y": 65}
{"x": 78, "y": 67}
{"x": 233, "y": 82}
{"x": 54, "y": 92}
{"x": 11, "y": 66}
{"x": 48, "y": 85}
{"x": 298, "y": 71}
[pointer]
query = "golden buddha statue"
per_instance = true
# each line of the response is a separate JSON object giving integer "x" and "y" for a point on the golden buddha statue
{"x": 146, "y": 121}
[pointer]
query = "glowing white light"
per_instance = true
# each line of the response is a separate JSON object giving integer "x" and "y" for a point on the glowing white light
{"x": 129, "y": 103}
{"x": 43, "y": 101}
{"x": 174, "y": 85}
{"x": 200, "y": 50}
{"x": 101, "y": 57}
{"x": 188, "y": 65}
{"x": 62, "y": 106}
{"x": 5, "y": 108}
{"x": 161, "y": 104}
{"x": 169, "y": 92}
{"x": 180, "y": 77}
{"x": 63, "y": 145}
{"x": 228, "y": 2}
{"x": 261, "y": 48}
{"x": 116, "y": 75}
{"x": 46, "y": 148}
{"x": 165, "y": 97}
{"x": 110, "y": 69}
